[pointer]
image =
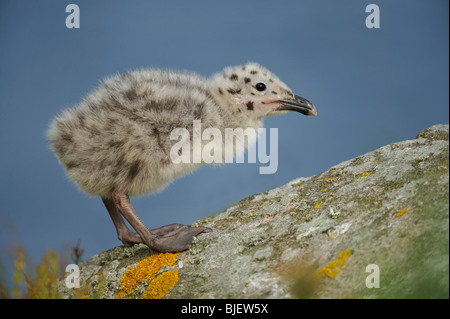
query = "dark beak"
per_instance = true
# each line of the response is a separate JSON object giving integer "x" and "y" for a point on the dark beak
{"x": 298, "y": 104}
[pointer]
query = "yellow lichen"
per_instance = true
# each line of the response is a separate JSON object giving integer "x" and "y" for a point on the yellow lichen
{"x": 327, "y": 272}
{"x": 161, "y": 285}
{"x": 145, "y": 271}
{"x": 366, "y": 174}
{"x": 332, "y": 268}
{"x": 317, "y": 206}
{"x": 401, "y": 212}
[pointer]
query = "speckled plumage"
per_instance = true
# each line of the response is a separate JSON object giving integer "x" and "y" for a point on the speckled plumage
{"x": 117, "y": 139}
{"x": 118, "y": 136}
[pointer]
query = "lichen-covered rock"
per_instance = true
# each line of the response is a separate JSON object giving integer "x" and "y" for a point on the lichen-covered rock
{"x": 326, "y": 236}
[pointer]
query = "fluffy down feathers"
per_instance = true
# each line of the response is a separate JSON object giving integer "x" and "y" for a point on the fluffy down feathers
{"x": 117, "y": 138}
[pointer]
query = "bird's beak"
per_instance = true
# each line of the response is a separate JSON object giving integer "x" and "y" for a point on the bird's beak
{"x": 298, "y": 104}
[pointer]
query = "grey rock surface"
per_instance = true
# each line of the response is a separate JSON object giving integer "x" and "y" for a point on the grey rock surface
{"x": 314, "y": 237}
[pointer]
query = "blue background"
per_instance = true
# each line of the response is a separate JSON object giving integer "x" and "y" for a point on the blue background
{"x": 371, "y": 87}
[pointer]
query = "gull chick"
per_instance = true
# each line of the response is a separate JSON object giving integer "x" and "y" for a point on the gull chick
{"x": 116, "y": 142}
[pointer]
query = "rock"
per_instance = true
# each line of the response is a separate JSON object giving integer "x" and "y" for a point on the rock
{"x": 435, "y": 132}
{"x": 325, "y": 236}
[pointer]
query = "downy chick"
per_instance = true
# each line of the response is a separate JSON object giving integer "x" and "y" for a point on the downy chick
{"x": 116, "y": 142}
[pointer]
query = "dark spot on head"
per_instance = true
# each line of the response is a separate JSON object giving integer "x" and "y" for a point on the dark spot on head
{"x": 232, "y": 91}
{"x": 252, "y": 93}
{"x": 270, "y": 80}
{"x": 250, "y": 105}
{"x": 247, "y": 80}
{"x": 274, "y": 92}
{"x": 253, "y": 72}
{"x": 234, "y": 77}
{"x": 243, "y": 68}
{"x": 220, "y": 91}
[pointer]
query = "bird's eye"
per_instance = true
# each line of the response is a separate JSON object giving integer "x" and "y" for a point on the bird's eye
{"x": 260, "y": 86}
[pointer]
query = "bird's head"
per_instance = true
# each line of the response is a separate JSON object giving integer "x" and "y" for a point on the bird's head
{"x": 253, "y": 91}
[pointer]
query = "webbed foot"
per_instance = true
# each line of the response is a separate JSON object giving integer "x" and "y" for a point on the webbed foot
{"x": 170, "y": 238}
{"x": 178, "y": 239}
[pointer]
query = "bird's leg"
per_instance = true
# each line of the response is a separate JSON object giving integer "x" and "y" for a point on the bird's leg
{"x": 125, "y": 235}
{"x": 167, "y": 229}
{"x": 171, "y": 238}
